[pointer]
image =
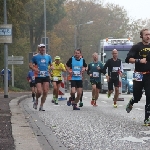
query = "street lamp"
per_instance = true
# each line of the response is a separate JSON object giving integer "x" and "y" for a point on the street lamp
{"x": 75, "y": 35}
{"x": 45, "y": 20}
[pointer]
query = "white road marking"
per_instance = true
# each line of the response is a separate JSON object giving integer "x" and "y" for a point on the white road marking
{"x": 84, "y": 97}
{"x": 145, "y": 132}
{"x": 138, "y": 108}
{"x": 103, "y": 101}
{"x": 133, "y": 139}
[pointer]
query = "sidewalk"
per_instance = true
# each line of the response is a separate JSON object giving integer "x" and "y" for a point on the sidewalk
{"x": 6, "y": 138}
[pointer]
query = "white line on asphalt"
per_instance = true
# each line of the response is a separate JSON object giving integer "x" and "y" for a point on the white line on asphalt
{"x": 84, "y": 96}
{"x": 138, "y": 108}
{"x": 120, "y": 105}
{"x": 103, "y": 101}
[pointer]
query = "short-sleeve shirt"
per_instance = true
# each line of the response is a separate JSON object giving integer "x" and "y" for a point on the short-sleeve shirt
{"x": 42, "y": 62}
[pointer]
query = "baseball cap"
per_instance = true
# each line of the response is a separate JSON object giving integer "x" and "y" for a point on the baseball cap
{"x": 41, "y": 45}
{"x": 57, "y": 57}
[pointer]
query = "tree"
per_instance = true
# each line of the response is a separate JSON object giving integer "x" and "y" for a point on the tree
{"x": 35, "y": 13}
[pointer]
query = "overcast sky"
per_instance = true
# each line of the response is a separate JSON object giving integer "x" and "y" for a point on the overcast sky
{"x": 137, "y": 9}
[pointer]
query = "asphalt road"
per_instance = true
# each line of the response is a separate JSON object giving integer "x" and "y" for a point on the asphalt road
{"x": 92, "y": 128}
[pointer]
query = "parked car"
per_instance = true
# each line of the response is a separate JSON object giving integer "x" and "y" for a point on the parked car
{"x": 127, "y": 82}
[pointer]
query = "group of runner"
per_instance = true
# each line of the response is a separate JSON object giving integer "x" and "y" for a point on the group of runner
{"x": 43, "y": 68}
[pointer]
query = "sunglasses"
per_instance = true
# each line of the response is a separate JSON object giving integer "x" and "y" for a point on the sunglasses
{"x": 42, "y": 46}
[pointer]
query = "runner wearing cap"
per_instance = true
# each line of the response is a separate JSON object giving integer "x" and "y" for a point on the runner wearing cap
{"x": 56, "y": 77}
{"x": 39, "y": 65}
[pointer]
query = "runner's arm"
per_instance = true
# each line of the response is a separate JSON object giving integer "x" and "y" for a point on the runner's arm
{"x": 105, "y": 67}
{"x": 88, "y": 69}
{"x": 131, "y": 55}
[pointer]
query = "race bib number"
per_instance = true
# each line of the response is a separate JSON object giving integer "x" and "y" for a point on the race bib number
{"x": 33, "y": 77}
{"x": 55, "y": 78}
{"x": 42, "y": 73}
{"x": 137, "y": 76}
{"x": 77, "y": 67}
{"x": 76, "y": 73}
{"x": 115, "y": 69}
{"x": 95, "y": 74}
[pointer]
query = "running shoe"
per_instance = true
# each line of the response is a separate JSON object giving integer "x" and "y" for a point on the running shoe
{"x": 147, "y": 122}
{"x": 108, "y": 95}
{"x": 80, "y": 104}
{"x": 92, "y": 102}
{"x": 33, "y": 100}
{"x": 35, "y": 105}
{"x": 56, "y": 101}
{"x": 69, "y": 101}
{"x": 95, "y": 104}
{"x": 75, "y": 107}
{"x": 41, "y": 108}
{"x": 129, "y": 107}
{"x": 115, "y": 105}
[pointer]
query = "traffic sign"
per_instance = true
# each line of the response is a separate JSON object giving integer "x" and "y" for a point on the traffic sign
{"x": 15, "y": 58}
{"x": 16, "y": 62}
{"x": 6, "y": 33}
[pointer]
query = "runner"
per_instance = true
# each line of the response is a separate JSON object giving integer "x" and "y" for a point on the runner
{"x": 56, "y": 77}
{"x": 115, "y": 69}
{"x": 69, "y": 77}
{"x": 94, "y": 71}
{"x": 77, "y": 64}
{"x": 138, "y": 55}
{"x": 31, "y": 80}
{"x": 39, "y": 65}
{"x": 9, "y": 76}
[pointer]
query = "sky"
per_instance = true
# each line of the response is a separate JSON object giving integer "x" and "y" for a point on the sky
{"x": 137, "y": 9}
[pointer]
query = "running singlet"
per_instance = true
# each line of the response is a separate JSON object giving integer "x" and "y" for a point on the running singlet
{"x": 77, "y": 69}
{"x": 42, "y": 62}
{"x": 57, "y": 71}
{"x": 31, "y": 76}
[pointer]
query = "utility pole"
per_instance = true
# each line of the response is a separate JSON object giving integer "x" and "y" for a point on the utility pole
{"x": 5, "y": 57}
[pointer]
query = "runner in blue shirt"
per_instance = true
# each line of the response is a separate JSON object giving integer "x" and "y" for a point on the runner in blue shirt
{"x": 78, "y": 65}
{"x": 39, "y": 65}
{"x": 9, "y": 75}
{"x": 31, "y": 80}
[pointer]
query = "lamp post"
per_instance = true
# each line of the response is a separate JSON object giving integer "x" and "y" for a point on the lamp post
{"x": 45, "y": 20}
{"x": 75, "y": 35}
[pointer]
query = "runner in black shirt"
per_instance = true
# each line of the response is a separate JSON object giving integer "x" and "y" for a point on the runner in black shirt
{"x": 141, "y": 76}
{"x": 114, "y": 66}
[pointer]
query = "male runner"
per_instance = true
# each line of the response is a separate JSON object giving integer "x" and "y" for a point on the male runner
{"x": 139, "y": 54}
{"x": 31, "y": 80}
{"x": 94, "y": 71}
{"x": 115, "y": 69}
{"x": 77, "y": 64}
{"x": 39, "y": 65}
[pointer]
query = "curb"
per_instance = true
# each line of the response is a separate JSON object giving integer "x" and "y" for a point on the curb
{"x": 24, "y": 138}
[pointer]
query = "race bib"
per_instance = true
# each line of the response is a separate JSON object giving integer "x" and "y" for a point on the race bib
{"x": 95, "y": 74}
{"x": 33, "y": 77}
{"x": 115, "y": 69}
{"x": 42, "y": 73}
{"x": 76, "y": 73}
{"x": 77, "y": 67}
{"x": 55, "y": 78}
{"x": 137, "y": 76}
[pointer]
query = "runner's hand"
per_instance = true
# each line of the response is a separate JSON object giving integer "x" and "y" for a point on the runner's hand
{"x": 120, "y": 74}
{"x": 52, "y": 68}
{"x": 107, "y": 77}
{"x": 98, "y": 68}
{"x": 143, "y": 61}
